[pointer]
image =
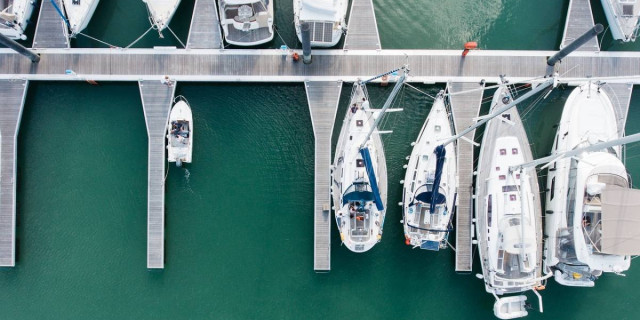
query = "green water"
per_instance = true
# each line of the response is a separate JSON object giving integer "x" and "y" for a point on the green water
{"x": 239, "y": 228}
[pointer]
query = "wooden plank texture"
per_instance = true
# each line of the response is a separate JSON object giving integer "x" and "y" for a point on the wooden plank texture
{"x": 579, "y": 20}
{"x": 323, "y": 98}
{"x": 205, "y": 26}
{"x": 51, "y": 31}
{"x": 362, "y": 29}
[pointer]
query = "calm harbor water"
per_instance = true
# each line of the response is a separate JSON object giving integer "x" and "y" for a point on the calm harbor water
{"x": 239, "y": 228}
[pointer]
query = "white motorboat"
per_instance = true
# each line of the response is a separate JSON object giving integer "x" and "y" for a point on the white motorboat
{"x": 359, "y": 173}
{"x": 246, "y": 22}
{"x": 623, "y": 18}
{"x": 161, "y": 12}
{"x": 429, "y": 191}
{"x": 14, "y": 15}
{"x": 79, "y": 13}
{"x": 508, "y": 212}
{"x": 326, "y": 19}
{"x": 591, "y": 217}
{"x": 180, "y": 137}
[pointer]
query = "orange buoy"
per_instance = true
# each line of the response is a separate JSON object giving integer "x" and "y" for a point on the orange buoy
{"x": 295, "y": 56}
{"x": 471, "y": 45}
{"x": 540, "y": 288}
{"x": 407, "y": 241}
{"x": 93, "y": 82}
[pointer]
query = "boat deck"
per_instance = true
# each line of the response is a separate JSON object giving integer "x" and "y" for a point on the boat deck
{"x": 465, "y": 107}
{"x": 579, "y": 20}
{"x": 323, "y": 98}
{"x": 493, "y": 129}
{"x": 13, "y": 93}
{"x": 51, "y": 31}
{"x": 157, "y": 98}
{"x": 205, "y": 32}
{"x": 362, "y": 29}
{"x": 254, "y": 35}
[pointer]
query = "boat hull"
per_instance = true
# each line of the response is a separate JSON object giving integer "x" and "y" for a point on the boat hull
{"x": 623, "y": 26}
{"x": 161, "y": 12}
{"x": 79, "y": 16}
{"x": 180, "y": 141}
{"x": 20, "y": 14}
{"x": 320, "y": 24}
{"x": 257, "y": 30}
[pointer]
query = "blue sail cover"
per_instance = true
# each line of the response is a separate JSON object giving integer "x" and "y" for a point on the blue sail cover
{"x": 440, "y": 153}
{"x": 372, "y": 178}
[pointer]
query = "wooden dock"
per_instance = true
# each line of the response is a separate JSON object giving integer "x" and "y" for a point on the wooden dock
{"x": 205, "y": 32}
{"x": 620, "y": 95}
{"x": 51, "y": 31}
{"x": 157, "y": 99}
{"x": 270, "y": 65}
{"x": 465, "y": 107}
{"x": 579, "y": 20}
{"x": 13, "y": 93}
{"x": 323, "y": 98}
{"x": 362, "y": 29}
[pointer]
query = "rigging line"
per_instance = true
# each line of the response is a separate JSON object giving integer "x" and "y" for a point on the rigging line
{"x": 98, "y": 40}
{"x": 603, "y": 33}
{"x": 175, "y": 36}
{"x": 416, "y": 89}
{"x": 495, "y": 86}
{"x": 166, "y": 175}
{"x": 275, "y": 28}
{"x": 139, "y": 38}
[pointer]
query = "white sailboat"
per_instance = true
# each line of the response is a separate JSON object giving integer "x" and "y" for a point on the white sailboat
{"x": 508, "y": 212}
{"x": 14, "y": 15}
{"x": 180, "y": 137}
{"x": 161, "y": 12}
{"x": 79, "y": 13}
{"x": 623, "y": 18}
{"x": 359, "y": 173}
{"x": 591, "y": 217}
{"x": 246, "y": 22}
{"x": 326, "y": 19}
{"x": 429, "y": 191}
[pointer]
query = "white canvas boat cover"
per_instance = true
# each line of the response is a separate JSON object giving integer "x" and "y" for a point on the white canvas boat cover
{"x": 318, "y": 10}
{"x": 620, "y": 221}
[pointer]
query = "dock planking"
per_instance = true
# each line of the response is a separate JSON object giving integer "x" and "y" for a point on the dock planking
{"x": 13, "y": 93}
{"x": 205, "y": 32}
{"x": 323, "y": 98}
{"x": 362, "y": 29}
{"x": 51, "y": 30}
{"x": 579, "y": 20}
{"x": 465, "y": 107}
{"x": 157, "y": 98}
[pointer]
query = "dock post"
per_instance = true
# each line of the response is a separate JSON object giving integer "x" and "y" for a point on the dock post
{"x": 4, "y": 40}
{"x": 597, "y": 29}
{"x": 305, "y": 32}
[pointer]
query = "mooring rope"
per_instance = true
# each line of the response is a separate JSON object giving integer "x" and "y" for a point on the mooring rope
{"x": 176, "y": 37}
{"x": 98, "y": 40}
{"x": 139, "y": 38}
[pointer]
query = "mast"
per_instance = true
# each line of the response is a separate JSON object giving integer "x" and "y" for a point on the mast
{"x": 574, "y": 152}
{"x": 506, "y": 107}
{"x": 387, "y": 104}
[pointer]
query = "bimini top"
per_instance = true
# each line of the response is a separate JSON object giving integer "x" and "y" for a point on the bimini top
{"x": 620, "y": 221}
{"x": 426, "y": 197}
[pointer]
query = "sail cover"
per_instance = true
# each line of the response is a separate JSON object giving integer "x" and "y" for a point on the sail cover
{"x": 372, "y": 178}
{"x": 440, "y": 153}
{"x": 620, "y": 221}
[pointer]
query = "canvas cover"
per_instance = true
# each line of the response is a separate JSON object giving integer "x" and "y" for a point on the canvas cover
{"x": 620, "y": 221}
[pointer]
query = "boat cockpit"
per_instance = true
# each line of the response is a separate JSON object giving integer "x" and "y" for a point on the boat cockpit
{"x": 179, "y": 136}
{"x": 360, "y": 200}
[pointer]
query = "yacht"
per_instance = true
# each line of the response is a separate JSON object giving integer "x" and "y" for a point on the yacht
{"x": 508, "y": 212}
{"x": 623, "y": 18}
{"x": 326, "y": 19}
{"x": 246, "y": 22}
{"x": 180, "y": 137}
{"x": 359, "y": 173}
{"x": 161, "y": 12}
{"x": 589, "y": 194}
{"x": 429, "y": 190}
{"x": 14, "y": 15}
{"x": 79, "y": 13}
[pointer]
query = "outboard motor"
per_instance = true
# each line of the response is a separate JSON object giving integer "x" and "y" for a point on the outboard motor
{"x": 179, "y": 162}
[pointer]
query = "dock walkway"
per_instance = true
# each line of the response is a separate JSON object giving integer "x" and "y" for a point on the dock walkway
{"x": 362, "y": 29}
{"x": 323, "y": 98}
{"x": 156, "y": 102}
{"x": 270, "y": 65}
{"x": 205, "y": 30}
{"x": 51, "y": 31}
{"x": 579, "y": 20}
{"x": 13, "y": 93}
{"x": 465, "y": 107}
